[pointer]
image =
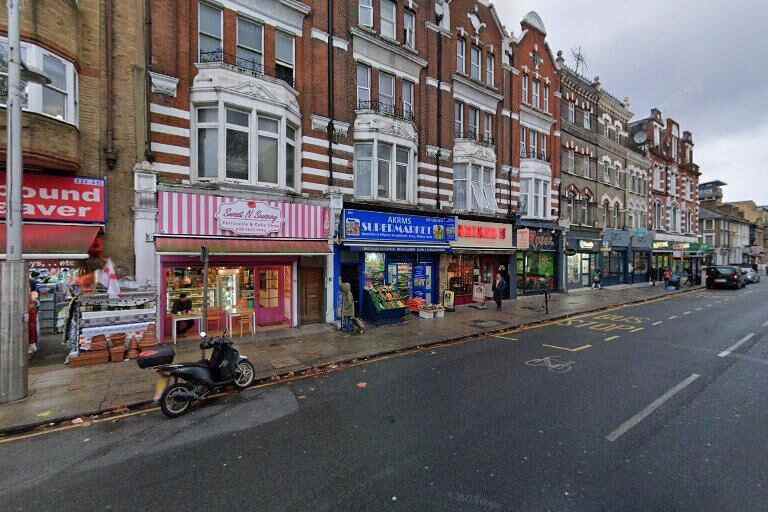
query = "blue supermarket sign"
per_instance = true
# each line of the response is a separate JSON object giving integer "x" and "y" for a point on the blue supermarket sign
{"x": 365, "y": 225}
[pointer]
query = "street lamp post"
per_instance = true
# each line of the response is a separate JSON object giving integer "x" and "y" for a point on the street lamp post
{"x": 14, "y": 286}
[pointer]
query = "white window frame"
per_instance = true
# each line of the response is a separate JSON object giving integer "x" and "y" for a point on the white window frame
{"x": 534, "y": 143}
{"x": 546, "y": 99}
{"x": 489, "y": 69}
{"x": 408, "y": 92}
{"x": 474, "y": 123}
{"x": 535, "y": 190}
{"x": 219, "y": 37}
{"x": 476, "y": 55}
{"x": 488, "y": 131}
{"x": 388, "y": 7}
{"x": 387, "y": 103}
{"x": 409, "y": 29}
{"x": 461, "y": 55}
{"x": 253, "y": 143}
{"x": 571, "y": 154}
{"x": 458, "y": 119}
{"x": 241, "y": 129}
{"x": 363, "y": 103}
{"x": 523, "y": 142}
{"x": 587, "y": 120}
{"x": 259, "y": 52}
{"x": 392, "y": 173}
{"x": 536, "y": 94}
{"x": 587, "y": 167}
{"x": 543, "y": 151}
{"x": 291, "y": 65}
{"x": 526, "y": 100}
{"x": 479, "y": 188}
{"x": 571, "y": 112}
{"x": 365, "y": 13}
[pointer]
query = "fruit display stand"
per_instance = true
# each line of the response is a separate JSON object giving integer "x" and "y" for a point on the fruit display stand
{"x": 383, "y": 305}
{"x": 100, "y": 328}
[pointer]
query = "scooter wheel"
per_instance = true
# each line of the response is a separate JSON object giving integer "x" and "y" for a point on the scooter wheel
{"x": 170, "y": 404}
{"x": 245, "y": 373}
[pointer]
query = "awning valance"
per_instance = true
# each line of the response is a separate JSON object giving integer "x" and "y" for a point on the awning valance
{"x": 240, "y": 247}
{"x": 54, "y": 241}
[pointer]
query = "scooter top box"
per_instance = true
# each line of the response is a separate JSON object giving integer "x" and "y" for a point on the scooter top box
{"x": 157, "y": 356}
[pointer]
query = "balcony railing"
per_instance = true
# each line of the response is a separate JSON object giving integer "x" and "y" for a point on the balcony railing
{"x": 244, "y": 65}
{"x": 386, "y": 109}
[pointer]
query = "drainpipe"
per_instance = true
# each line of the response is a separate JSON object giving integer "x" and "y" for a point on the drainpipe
{"x": 110, "y": 153}
{"x": 148, "y": 155}
{"x": 439, "y": 106}
{"x": 331, "y": 129}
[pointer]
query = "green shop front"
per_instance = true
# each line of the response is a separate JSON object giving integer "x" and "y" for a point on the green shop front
{"x": 536, "y": 260}
{"x": 390, "y": 258}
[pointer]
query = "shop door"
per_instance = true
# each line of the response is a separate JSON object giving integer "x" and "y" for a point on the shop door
{"x": 586, "y": 269}
{"x": 422, "y": 281}
{"x": 270, "y": 296}
{"x": 311, "y": 295}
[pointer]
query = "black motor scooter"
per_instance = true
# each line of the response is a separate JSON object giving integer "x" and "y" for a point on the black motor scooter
{"x": 195, "y": 381}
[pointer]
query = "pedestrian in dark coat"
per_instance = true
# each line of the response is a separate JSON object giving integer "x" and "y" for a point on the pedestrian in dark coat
{"x": 499, "y": 287}
{"x": 505, "y": 276}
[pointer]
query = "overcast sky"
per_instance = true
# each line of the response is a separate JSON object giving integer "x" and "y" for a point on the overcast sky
{"x": 703, "y": 63}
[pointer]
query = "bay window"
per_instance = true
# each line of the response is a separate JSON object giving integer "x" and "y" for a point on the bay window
{"x": 474, "y": 188}
{"x": 386, "y": 93}
{"x": 476, "y": 54}
{"x": 461, "y": 55}
{"x": 284, "y": 57}
{"x": 236, "y": 144}
{"x": 55, "y": 93}
{"x": 250, "y": 45}
{"x": 365, "y": 13}
{"x": 363, "y": 87}
{"x": 383, "y": 171}
{"x": 409, "y": 28}
{"x": 209, "y": 36}
{"x": 388, "y": 16}
{"x": 534, "y": 197}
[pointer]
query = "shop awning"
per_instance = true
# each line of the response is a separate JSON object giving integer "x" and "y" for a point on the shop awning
{"x": 54, "y": 241}
{"x": 482, "y": 250}
{"x": 239, "y": 247}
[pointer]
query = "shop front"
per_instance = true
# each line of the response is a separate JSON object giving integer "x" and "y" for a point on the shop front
{"x": 262, "y": 255}
{"x": 674, "y": 252}
{"x": 536, "y": 260}
{"x": 63, "y": 219}
{"x": 582, "y": 256}
{"x": 614, "y": 261}
{"x": 640, "y": 259}
{"x": 661, "y": 259}
{"x": 389, "y": 259}
{"x": 480, "y": 251}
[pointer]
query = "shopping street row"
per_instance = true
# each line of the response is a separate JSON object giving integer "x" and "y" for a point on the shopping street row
{"x": 58, "y": 391}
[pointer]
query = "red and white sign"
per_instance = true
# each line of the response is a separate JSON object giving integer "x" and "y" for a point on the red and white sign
{"x": 249, "y": 218}
{"x": 190, "y": 214}
{"x": 482, "y": 235}
{"x": 59, "y": 198}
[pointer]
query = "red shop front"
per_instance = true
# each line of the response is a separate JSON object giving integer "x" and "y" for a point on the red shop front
{"x": 262, "y": 254}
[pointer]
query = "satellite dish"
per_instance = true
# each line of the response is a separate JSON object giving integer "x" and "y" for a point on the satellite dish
{"x": 640, "y": 137}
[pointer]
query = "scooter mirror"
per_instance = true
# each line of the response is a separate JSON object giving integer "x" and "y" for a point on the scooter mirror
{"x": 203, "y": 334}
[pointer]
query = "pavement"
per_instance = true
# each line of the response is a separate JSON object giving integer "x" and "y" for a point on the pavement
{"x": 59, "y": 393}
{"x": 658, "y": 406}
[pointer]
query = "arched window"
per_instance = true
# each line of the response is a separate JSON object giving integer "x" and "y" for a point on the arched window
{"x": 607, "y": 214}
{"x": 675, "y": 220}
{"x": 616, "y": 216}
{"x": 586, "y": 217}
{"x": 657, "y": 215}
{"x": 572, "y": 205}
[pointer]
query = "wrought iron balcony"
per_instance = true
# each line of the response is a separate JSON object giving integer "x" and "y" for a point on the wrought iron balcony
{"x": 244, "y": 65}
{"x": 387, "y": 109}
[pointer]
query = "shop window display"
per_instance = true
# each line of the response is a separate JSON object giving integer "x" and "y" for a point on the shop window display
{"x": 466, "y": 271}
{"x": 535, "y": 271}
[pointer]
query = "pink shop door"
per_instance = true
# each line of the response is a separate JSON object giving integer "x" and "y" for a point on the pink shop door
{"x": 270, "y": 296}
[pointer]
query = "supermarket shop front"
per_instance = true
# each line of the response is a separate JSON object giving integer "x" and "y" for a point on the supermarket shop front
{"x": 268, "y": 261}
{"x": 390, "y": 256}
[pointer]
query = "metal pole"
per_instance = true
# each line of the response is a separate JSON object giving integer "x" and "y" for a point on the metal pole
{"x": 14, "y": 288}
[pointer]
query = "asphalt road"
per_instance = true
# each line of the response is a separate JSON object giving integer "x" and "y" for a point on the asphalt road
{"x": 637, "y": 409}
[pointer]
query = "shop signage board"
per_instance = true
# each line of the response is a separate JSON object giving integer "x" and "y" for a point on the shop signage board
{"x": 491, "y": 235}
{"x": 661, "y": 245}
{"x": 256, "y": 218}
{"x": 60, "y": 198}
{"x": 382, "y": 226}
{"x": 587, "y": 245}
{"x": 523, "y": 239}
{"x": 541, "y": 240}
{"x": 207, "y": 215}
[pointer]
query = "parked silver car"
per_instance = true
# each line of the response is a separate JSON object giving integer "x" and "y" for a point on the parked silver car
{"x": 750, "y": 276}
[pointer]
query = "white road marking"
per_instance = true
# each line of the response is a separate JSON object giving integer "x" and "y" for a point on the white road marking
{"x": 612, "y": 338}
{"x": 687, "y": 313}
{"x": 699, "y": 309}
{"x": 765, "y": 324}
{"x": 504, "y": 337}
{"x": 637, "y": 418}
{"x": 657, "y": 323}
{"x": 727, "y": 352}
{"x": 673, "y": 317}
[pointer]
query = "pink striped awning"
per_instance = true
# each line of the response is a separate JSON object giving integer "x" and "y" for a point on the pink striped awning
{"x": 182, "y": 213}
{"x": 235, "y": 247}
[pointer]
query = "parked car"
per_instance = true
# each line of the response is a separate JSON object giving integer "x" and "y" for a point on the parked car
{"x": 749, "y": 275}
{"x": 725, "y": 277}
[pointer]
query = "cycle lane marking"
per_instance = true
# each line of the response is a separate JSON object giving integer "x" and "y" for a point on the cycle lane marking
{"x": 650, "y": 408}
